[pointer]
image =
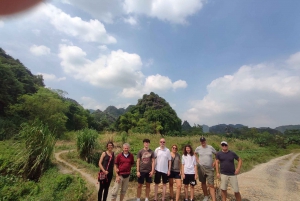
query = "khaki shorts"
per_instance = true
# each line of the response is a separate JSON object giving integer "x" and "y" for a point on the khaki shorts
{"x": 232, "y": 179}
{"x": 205, "y": 174}
{"x": 124, "y": 186}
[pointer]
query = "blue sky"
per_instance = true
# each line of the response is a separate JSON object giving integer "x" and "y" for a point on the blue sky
{"x": 214, "y": 61}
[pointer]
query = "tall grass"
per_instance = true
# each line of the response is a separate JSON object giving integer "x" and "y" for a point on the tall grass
{"x": 36, "y": 156}
{"x": 86, "y": 142}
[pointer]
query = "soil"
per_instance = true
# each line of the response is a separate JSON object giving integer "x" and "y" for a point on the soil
{"x": 276, "y": 180}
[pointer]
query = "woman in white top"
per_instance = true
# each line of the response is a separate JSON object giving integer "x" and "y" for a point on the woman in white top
{"x": 189, "y": 167}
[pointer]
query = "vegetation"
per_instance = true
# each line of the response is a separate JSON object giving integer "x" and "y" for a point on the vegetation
{"x": 33, "y": 118}
{"x": 34, "y": 158}
{"x": 152, "y": 114}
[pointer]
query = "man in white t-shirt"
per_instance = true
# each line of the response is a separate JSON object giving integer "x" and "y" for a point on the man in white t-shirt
{"x": 206, "y": 165}
{"x": 162, "y": 167}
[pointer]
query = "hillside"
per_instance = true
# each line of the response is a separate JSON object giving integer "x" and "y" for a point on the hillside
{"x": 282, "y": 129}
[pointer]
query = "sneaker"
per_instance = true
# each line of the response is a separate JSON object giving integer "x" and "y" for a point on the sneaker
{"x": 205, "y": 198}
{"x": 138, "y": 199}
{"x": 185, "y": 200}
{"x": 146, "y": 199}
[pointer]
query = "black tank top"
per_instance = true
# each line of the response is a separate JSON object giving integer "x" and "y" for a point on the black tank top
{"x": 111, "y": 163}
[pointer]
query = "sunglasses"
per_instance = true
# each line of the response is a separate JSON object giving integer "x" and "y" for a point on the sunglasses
{"x": 162, "y": 142}
{"x": 224, "y": 145}
{"x": 174, "y": 148}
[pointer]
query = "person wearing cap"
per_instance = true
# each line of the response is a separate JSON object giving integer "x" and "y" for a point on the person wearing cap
{"x": 162, "y": 167}
{"x": 228, "y": 172}
{"x": 144, "y": 169}
{"x": 206, "y": 165}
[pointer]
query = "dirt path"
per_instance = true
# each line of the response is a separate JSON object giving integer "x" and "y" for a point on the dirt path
{"x": 276, "y": 180}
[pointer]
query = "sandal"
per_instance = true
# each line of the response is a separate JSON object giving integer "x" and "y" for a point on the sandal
{"x": 171, "y": 199}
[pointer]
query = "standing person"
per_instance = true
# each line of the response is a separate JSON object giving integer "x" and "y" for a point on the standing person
{"x": 123, "y": 164}
{"x": 189, "y": 167}
{"x": 205, "y": 154}
{"x": 106, "y": 165}
{"x": 162, "y": 167}
{"x": 175, "y": 173}
{"x": 228, "y": 171}
{"x": 144, "y": 169}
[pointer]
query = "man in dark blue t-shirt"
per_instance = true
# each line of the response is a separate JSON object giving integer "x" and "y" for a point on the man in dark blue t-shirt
{"x": 228, "y": 172}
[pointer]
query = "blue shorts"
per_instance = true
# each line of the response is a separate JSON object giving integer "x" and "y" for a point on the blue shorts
{"x": 144, "y": 176}
{"x": 175, "y": 175}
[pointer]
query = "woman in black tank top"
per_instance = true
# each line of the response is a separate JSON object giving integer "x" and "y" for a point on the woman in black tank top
{"x": 106, "y": 157}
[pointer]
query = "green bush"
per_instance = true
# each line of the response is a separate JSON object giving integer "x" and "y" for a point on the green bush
{"x": 39, "y": 145}
{"x": 86, "y": 142}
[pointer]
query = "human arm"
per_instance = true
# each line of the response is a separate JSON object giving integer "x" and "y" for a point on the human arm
{"x": 152, "y": 167}
{"x": 100, "y": 163}
{"x": 116, "y": 168}
{"x": 169, "y": 167}
{"x": 217, "y": 168}
{"x": 239, "y": 165}
{"x": 138, "y": 174}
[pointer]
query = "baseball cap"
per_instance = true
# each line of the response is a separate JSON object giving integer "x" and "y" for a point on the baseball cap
{"x": 224, "y": 142}
{"x": 202, "y": 139}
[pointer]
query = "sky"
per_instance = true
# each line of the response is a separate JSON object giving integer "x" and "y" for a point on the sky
{"x": 214, "y": 61}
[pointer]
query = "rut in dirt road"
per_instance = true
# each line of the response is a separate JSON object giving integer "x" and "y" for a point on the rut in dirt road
{"x": 272, "y": 181}
{"x": 85, "y": 175}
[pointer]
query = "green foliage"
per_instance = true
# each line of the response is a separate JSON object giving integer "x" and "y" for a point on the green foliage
{"x": 53, "y": 186}
{"x": 39, "y": 145}
{"x": 86, "y": 142}
{"x": 45, "y": 105}
{"x": 124, "y": 136}
{"x": 152, "y": 114}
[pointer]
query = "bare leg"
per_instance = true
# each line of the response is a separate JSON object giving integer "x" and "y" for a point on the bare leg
{"x": 178, "y": 191}
{"x": 204, "y": 188}
{"x": 224, "y": 195}
{"x": 192, "y": 192}
{"x": 139, "y": 190}
{"x": 122, "y": 197}
{"x": 147, "y": 190}
{"x": 164, "y": 191}
{"x": 155, "y": 191}
{"x": 186, "y": 191}
{"x": 238, "y": 196}
{"x": 212, "y": 192}
{"x": 171, "y": 188}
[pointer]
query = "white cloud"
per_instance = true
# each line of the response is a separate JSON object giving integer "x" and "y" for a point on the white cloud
{"x": 90, "y": 103}
{"x": 51, "y": 77}
{"x": 258, "y": 95}
{"x": 116, "y": 69}
{"x": 39, "y": 50}
{"x": 1, "y": 23}
{"x": 155, "y": 83}
{"x": 175, "y": 11}
{"x": 130, "y": 20}
{"x": 103, "y": 10}
{"x": 179, "y": 84}
{"x": 103, "y": 47}
{"x": 294, "y": 60}
{"x": 149, "y": 63}
{"x": 89, "y": 31}
{"x": 36, "y": 31}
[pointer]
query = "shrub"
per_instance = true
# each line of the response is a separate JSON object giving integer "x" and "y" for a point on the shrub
{"x": 39, "y": 145}
{"x": 86, "y": 142}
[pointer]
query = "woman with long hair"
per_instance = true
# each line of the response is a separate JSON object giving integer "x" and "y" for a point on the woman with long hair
{"x": 106, "y": 165}
{"x": 189, "y": 167}
{"x": 175, "y": 173}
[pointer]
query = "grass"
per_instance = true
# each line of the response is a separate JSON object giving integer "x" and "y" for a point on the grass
{"x": 53, "y": 185}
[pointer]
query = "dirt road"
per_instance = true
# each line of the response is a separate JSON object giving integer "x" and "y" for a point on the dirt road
{"x": 276, "y": 180}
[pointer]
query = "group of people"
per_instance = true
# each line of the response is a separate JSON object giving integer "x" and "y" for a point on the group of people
{"x": 169, "y": 167}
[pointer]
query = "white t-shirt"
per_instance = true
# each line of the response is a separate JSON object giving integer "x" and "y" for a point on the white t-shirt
{"x": 189, "y": 163}
{"x": 206, "y": 155}
{"x": 162, "y": 158}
